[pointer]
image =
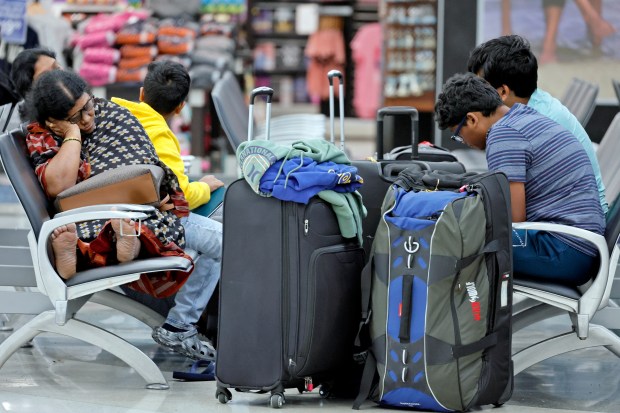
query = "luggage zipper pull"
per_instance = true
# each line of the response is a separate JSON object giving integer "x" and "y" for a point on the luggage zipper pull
{"x": 308, "y": 383}
{"x": 470, "y": 188}
{"x": 306, "y": 227}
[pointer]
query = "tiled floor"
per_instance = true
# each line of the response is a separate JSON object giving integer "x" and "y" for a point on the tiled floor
{"x": 62, "y": 374}
{"x": 59, "y": 374}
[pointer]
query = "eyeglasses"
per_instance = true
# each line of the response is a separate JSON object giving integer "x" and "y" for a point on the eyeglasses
{"x": 77, "y": 117}
{"x": 456, "y": 137}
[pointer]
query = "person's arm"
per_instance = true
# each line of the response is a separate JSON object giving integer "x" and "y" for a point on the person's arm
{"x": 196, "y": 193}
{"x": 517, "y": 201}
{"x": 61, "y": 171}
{"x": 212, "y": 181}
{"x": 508, "y": 151}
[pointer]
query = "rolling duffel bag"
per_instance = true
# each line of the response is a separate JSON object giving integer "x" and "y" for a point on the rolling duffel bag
{"x": 437, "y": 294}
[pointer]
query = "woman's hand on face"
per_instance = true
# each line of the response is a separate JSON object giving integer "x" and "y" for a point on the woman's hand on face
{"x": 64, "y": 129}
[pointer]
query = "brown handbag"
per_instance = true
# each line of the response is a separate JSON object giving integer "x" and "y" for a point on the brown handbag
{"x": 127, "y": 184}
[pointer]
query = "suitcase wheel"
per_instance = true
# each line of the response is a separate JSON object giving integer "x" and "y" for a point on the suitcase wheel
{"x": 325, "y": 391}
{"x": 277, "y": 400}
{"x": 223, "y": 395}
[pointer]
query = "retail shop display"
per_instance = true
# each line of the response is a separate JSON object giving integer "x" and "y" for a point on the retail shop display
{"x": 282, "y": 35}
{"x": 410, "y": 53}
{"x": 277, "y": 49}
{"x": 115, "y": 44}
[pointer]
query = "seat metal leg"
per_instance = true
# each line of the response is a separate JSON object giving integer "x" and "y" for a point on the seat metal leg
{"x": 4, "y": 320}
{"x": 534, "y": 314}
{"x": 21, "y": 337}
{"x": 88, "y": 333}
{"x": 608, "y": 317}
{"x": 564, "y": 343}
{"x": 121, "y": 302}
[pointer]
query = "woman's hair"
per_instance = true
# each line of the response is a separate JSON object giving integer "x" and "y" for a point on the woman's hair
{"x": 54, "y": 94}
{"x": 22, "y": 70}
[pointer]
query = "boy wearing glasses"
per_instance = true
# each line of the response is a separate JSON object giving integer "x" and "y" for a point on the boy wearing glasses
{"x": 508, "y": 64}
{"x": 551, "y": 177}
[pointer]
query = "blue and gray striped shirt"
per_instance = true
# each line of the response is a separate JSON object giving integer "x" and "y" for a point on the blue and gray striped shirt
{"x": 559, "y": 181}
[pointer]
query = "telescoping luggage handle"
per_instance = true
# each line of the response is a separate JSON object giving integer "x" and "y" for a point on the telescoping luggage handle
{"x": 330, "y": 76}
{"x": 395, "y": 111}
{"x": 260, "y": 91}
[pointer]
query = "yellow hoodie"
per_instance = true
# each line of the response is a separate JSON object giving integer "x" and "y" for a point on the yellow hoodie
{"x": 168, "y": 150}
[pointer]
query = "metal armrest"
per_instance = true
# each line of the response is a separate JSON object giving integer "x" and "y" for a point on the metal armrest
{"x": 48, "y": 279}
{"x": 107, "y": 207}
{"x": 597, "y": 294}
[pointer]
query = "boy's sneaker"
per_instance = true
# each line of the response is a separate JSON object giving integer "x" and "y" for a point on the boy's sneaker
{"x": 184, "y": 342}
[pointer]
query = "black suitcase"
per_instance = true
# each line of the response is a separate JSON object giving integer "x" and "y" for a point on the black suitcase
{"x": 289, "y": 293}
{"x": 422, "y": 151}
{"x": 381, "y": 173}
{"x": 434, "y": 157}
{"x": 426, "y": 152}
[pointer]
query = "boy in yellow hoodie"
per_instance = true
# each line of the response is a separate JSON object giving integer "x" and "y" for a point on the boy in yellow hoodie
{"x": 167, "y": 83}
{"x": 163, "y": 95}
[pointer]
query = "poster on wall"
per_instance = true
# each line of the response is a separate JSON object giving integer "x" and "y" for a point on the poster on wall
{"x": 13, "y": 21}
{"x": 570, "y": 38}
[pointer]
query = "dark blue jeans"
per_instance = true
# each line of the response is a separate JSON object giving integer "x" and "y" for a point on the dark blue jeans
{"x": 545, "y": 257}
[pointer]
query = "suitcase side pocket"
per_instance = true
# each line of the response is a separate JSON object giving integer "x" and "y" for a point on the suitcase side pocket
{"x": 327, "y": 327}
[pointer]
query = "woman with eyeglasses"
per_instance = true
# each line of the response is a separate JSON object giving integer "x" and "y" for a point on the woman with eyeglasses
{"x": 77, "y": 136}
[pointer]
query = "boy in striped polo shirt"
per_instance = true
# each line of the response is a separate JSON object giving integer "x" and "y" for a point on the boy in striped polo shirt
{"x": 508, "y": 64}
{"x": 551, "y": 177}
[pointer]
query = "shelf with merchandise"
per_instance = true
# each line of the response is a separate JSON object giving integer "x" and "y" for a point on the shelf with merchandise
{"x": 281, "y": 72}
{"x": 59, "y": 9}
{"x": 278, "y": 33}
{"x": 410, "y": 53}
{"x": 281, "y": 36}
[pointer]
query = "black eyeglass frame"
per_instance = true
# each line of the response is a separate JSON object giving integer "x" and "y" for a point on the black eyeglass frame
{"x": 77, "y": 116}
{"x": 455, "y": 136}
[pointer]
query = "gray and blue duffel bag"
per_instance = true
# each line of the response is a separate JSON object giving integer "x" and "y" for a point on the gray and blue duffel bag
{"x": 437, "y": 294}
